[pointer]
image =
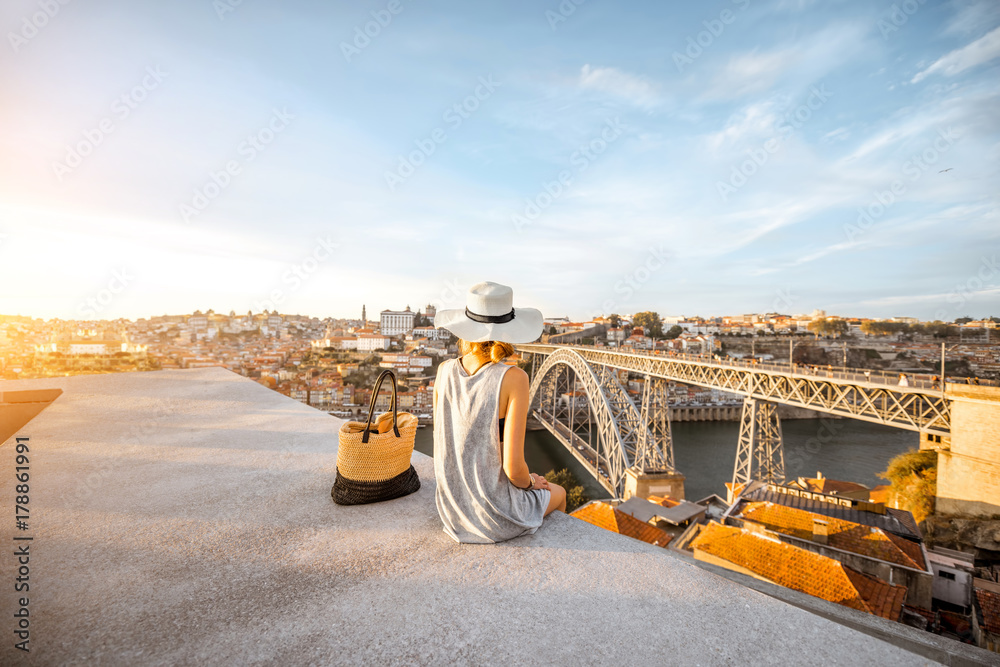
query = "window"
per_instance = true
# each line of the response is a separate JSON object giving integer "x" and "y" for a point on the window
{"x": 950, "y": 576}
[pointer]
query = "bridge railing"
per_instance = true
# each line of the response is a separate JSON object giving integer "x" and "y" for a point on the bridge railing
{"x": 856, "y": 375}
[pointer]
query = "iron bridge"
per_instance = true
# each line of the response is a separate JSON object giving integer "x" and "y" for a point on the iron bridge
{"x": 577, "y": 394}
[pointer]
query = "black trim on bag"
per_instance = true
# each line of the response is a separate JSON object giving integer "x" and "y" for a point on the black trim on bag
{"x": 352, "y": 492}
{"x": 490, "y": 319}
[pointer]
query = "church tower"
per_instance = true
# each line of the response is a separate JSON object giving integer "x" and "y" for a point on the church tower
{"x": 364, "y": 317}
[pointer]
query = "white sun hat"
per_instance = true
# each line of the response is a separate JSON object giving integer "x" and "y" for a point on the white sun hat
{"x": 489, "y": 314}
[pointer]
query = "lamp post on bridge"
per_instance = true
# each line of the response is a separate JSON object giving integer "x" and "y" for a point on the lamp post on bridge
{"x": 943, "y": 350}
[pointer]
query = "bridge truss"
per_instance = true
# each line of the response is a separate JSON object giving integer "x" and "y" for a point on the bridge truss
{"x": 759, "y": 454}
{"x": 912, "y": 408}
{"x": 638, "y": 438}
{"x": 586, "y": 408}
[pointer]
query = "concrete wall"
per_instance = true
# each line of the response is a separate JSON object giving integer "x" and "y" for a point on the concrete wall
{"x": 957, "y": 590}
{"x": 969, "y": 470}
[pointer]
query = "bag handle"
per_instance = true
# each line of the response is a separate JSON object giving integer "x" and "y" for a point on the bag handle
{"x": 371, "y": 406}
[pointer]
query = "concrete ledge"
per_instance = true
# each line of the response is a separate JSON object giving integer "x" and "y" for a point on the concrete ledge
{"x": 184, "y": 517}
{"x": 17, "y": 408}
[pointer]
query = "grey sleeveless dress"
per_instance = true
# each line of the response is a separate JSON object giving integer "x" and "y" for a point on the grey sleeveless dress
{"x": 476, "y": 501}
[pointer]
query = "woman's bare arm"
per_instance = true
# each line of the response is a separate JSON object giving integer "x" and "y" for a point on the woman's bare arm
{"x": 514, "y": 389}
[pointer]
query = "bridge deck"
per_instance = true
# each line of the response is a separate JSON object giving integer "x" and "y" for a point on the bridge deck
{"x": 577, "y": 446}
{"x": 845, "y": 392}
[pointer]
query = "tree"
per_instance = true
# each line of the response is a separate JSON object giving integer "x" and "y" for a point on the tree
{"x": 575, "y": 495}
{"x": 939, "y": 329}
{"x": 673, "y": 332}
{"x": 913, "y": 480}
{"x": 552, "y": 331}
{"x": 883, "y": 328}
{"x": 616, "y": 320}
{"x": 650, "y": 322}
{"x": 830, "y": 326}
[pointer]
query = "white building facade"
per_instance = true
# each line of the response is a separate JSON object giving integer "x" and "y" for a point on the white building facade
{"x": 396, "y": 322}
{"x": 372, "y": 342}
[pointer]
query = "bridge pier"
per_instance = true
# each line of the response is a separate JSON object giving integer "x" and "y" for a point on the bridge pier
{"x": 656, "y": 444}
{"x": 645, "y": 484}
{"x": 759, "y": 453}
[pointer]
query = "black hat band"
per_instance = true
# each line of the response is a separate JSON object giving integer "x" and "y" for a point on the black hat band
{"x": 490, "y": 319}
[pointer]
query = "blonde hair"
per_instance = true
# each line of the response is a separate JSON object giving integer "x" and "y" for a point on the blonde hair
{"x": 487, "y": 350}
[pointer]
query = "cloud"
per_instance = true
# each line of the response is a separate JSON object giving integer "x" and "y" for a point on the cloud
{"x": 840, "y": 134}
{"x": 972, "y": 17}
{"x": 613, "y": 81}
{"x": 983, "y": 50}
{"x": 937, "y": 297}
{"x": 750, "y": 73}
{"x": 752, "y": 122}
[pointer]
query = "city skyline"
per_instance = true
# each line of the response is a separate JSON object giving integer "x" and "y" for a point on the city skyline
{"x": 667, "y": 317}
{"x": 737, "y": 157}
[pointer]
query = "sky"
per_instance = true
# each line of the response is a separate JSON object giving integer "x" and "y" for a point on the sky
{"x": 710, "y": 158}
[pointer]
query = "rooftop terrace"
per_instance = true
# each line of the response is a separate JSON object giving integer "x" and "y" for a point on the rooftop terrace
{"x": 184, "y": 517}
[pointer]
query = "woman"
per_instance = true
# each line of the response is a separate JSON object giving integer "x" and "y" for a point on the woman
{"x": 485, "y": 493}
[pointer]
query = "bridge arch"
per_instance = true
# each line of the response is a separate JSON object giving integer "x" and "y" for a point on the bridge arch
{"x": 621, "y": 430}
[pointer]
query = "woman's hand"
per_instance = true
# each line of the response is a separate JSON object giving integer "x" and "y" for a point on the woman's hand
{"x": 540, "y": 483}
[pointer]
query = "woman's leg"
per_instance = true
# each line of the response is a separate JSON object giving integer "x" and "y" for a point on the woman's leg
{"x": 557, "y": 499}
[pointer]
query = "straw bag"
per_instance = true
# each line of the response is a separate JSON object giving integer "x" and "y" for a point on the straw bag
{"x": 373, "y": 459}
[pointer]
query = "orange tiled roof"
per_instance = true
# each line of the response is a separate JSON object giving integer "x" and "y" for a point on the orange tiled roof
{"x": 879, "y": 494}
{"x": 989, "y": 603}
{"x": 847, "y": 535}
{"x": 607, "y": 517}
{"x": 801, "y": 570}
{"x": 831, "y": 486}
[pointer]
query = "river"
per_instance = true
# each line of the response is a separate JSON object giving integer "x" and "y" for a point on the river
{"x": 844, "y": 449}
